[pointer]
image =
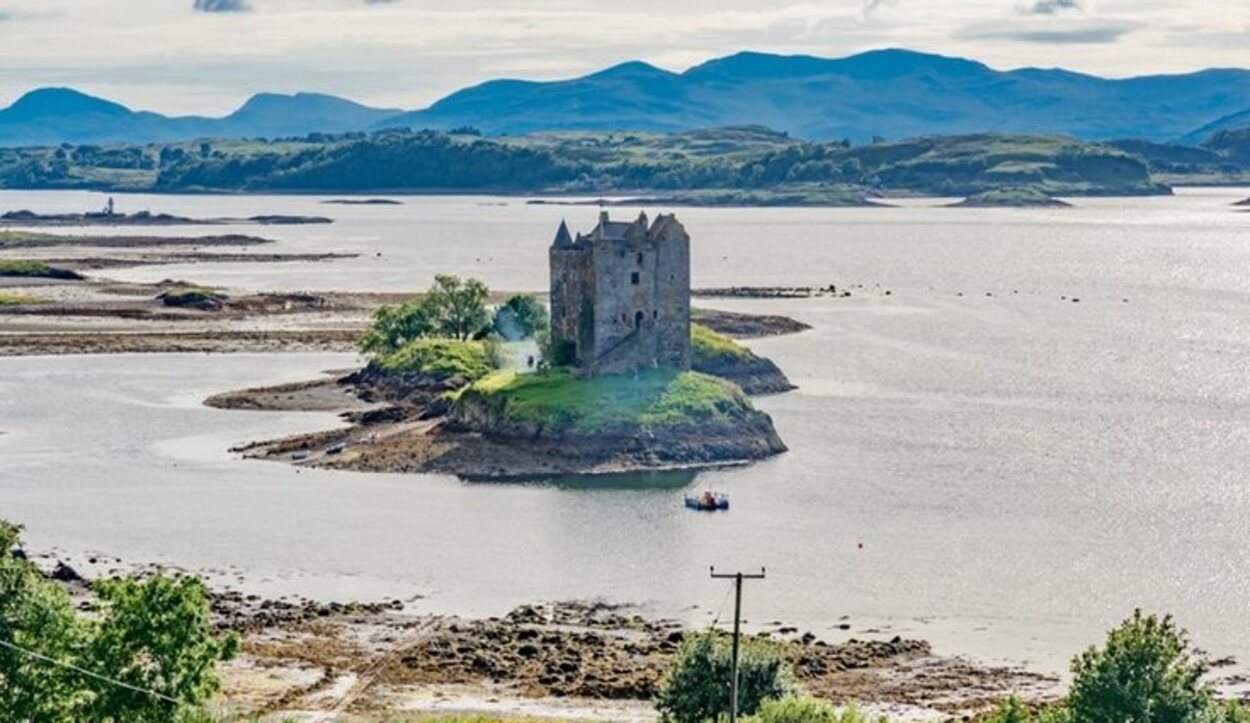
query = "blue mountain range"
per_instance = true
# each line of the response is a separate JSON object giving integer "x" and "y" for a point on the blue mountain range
{"x": 888, "y": 93}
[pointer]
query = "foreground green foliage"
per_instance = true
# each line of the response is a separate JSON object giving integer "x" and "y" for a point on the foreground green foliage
{"x": 653, "y": 399}
{"x": 441, "y": 357}
{"x": 802, "y": 709}
{"x": 155, "y": 634}
{"x": 453, "y": 308}
{"x": 697, "y": 687}
{"x": 1145, "y": 673}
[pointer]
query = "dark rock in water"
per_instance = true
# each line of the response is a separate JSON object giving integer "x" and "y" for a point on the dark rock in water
{"x": 65, "y": 573}
{"x": 279, "y": 220}
{"x": 1243, "y": 203}
{"x": 363, "y": 202}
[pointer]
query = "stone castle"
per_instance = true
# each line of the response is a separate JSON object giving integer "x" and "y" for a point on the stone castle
{"x": 620, "y": 296}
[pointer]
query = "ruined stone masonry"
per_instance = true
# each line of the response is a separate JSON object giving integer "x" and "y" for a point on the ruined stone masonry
{"x": 620, "y": 296}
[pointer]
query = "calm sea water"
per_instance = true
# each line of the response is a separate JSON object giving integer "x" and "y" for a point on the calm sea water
{"x": 975, "y": 458}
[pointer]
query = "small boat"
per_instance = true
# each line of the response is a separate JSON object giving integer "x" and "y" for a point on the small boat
{"x": 336, "y": 448}
{"x": 708, "y": 501}
{"x": 299, "y": 456}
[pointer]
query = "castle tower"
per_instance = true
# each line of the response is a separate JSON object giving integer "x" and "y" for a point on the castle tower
{"x": 620, "y": 296}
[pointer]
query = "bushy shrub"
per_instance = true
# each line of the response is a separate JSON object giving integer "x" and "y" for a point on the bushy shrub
{"x": 1145, "y": 673}
{"x": 697, "y": 686}
{"x": 154, "y": 634}
{"x": 801, "y": 709}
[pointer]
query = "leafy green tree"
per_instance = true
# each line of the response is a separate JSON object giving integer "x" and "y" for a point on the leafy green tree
{"x": 1145, "y": 673}
{"x": 460, "y": 304}
{"x": 453, "y": 307}
{"x": 697, "y": 686}
{"x": 521, "y": 317}
{"x": 38, "y": 617}
{"x": 395, "y": 325}
{"x": 156, "y": 634}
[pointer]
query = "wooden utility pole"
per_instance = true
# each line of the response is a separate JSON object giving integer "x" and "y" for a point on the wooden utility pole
{"x": 737, "y": 577}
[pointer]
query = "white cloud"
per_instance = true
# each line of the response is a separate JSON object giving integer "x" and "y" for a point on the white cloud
{"x": 164, "y": 55}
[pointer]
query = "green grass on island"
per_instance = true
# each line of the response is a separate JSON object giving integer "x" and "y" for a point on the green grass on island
{"x": 444, "y": 357}
{"x": 1015, "y": 197}
{"x": 11, "y": 299}
{"x": 709, "y": 347}
{"x": 657, "y": 398}
{"x": 192, "y": 296}
{"x": 35, "y": 269}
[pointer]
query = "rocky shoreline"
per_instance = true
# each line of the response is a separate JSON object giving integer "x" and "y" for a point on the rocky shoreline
{"x": 300, "y": 655}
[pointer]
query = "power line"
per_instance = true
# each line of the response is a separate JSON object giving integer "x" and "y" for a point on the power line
{"x": 721, "y": 609}
{"x": 88, "y": 673}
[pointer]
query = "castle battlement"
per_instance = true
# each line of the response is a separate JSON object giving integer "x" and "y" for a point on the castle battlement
{"x": 620, "y": 296}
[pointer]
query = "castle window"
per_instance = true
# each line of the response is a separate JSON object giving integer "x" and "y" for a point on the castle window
{"x": 638, "y": 320}
{"x": 655, "y": 314}
{"x": 640, "y": 257}
{"x": 635, "y": 278}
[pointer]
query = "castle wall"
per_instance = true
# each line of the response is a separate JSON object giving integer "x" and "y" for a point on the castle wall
{"x": 673, "y": 298}
{"x": 572, "y": 294}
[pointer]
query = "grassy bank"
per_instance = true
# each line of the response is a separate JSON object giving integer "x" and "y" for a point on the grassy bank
{"x": 653, "y": 399}
{"x": 10, "y": 299}
{"x": 35, "y": 269}
{"x": 442, "y": 357}
{"x": 708, "y": 347}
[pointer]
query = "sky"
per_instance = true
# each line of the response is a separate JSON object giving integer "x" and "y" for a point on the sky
{"x": 207, "y": 56}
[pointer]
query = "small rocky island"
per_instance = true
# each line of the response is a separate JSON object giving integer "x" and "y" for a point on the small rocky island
{"x": 109, "y": 216}
{"x": 624, "y": 379}
{"x": 1014, "y": 197}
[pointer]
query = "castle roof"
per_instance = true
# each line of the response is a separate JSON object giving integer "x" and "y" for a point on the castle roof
{"x": 611, "y": 230}
{"x": 563, "y": 237}
{"x": 638, "y": 231}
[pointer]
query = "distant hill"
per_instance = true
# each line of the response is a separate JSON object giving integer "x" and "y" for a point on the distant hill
{"x": 747, "y": 165}
{"x": 890, "y": 93}
{"x": 894, "y": 94}
{"x": 1233, "y": 144}
{"x": 50, "y": 116}
{"x": 1231, "y": 122}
